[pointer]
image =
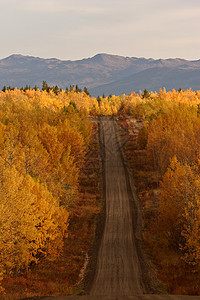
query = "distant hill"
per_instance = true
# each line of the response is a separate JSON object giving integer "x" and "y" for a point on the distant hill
{"x": 103, "y": 73}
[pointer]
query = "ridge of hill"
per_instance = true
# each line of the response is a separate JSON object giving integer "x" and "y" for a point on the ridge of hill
{"x": 102, "y": 73}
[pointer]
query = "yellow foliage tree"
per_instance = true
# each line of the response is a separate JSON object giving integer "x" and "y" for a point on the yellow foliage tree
{"x": 32, "y": 223}
{"x": 174, "y": 133}
{"x": 191, "y": 232}
{"x": 68, "y": 135}
{"x": 176, "y": 193}
{"x": 49, "y": 139}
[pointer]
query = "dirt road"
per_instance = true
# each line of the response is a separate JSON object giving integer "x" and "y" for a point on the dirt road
{"x": 118, "y": 270}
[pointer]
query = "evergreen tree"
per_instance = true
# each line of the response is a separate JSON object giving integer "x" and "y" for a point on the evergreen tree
{"x": 98, "y": 100}
{"x": 71, "y": 88}
{"x": 45, "y": 86}
{"x": 56, "y": 89}
{"x": 145, "y": 94}
{"x": 86, "y": 91}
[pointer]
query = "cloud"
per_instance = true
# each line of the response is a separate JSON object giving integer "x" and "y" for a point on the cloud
{"x": 186, "y": 13}
{"x": 62, "y": 6}
{"x": 76, "y": 7}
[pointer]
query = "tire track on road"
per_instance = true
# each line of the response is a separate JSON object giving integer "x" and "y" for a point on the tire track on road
{"x": 118, "y": 270}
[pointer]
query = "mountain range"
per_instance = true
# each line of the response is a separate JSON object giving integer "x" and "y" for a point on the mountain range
{"x": 103, "y": 73}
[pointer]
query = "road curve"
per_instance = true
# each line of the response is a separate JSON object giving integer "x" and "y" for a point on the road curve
{"x": 118, "y": 270}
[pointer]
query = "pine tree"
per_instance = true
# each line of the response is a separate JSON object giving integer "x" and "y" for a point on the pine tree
{"x": 86, "y": 91}
{"x": 145, "y": 94}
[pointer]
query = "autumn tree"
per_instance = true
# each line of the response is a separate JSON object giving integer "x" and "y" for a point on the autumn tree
{"x": 190, "y": 245}
{"x": 32, "y": 223}
{"x": 177, "y": 196}
{"x": 167, "y": 136}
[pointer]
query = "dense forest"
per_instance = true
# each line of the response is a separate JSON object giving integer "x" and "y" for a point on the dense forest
{"x": 44, "y": 140}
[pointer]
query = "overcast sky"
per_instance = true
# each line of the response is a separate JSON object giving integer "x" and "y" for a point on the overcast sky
{"x": 75, "y": 29}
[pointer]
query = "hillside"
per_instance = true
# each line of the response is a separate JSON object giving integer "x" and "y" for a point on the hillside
{"x": 103, "y": 73}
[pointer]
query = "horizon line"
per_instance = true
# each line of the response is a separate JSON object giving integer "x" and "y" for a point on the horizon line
{"x": 101, "y": 53}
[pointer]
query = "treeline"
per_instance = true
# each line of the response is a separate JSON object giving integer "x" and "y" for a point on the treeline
{"x": 43, "y": 141}
{"x": 48, "y": 88}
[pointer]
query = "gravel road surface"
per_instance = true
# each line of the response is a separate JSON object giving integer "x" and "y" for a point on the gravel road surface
{"x": 118, "y": 270}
